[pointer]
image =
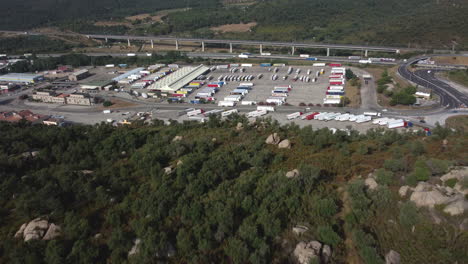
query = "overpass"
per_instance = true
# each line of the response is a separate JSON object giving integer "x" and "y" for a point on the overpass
{"x": 260, "y": 44}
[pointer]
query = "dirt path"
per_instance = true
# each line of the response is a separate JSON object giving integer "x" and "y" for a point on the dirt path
{"x": 352, "y": 256}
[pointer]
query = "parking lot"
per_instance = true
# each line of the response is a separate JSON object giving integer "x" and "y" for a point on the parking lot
{"x": 302, "y": 92}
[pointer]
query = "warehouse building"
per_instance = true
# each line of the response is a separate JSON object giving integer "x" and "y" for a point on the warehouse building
{"x": 21, "y": 78}
{"x": 178, "y": 79}
{"x": 79, "y": 99}
{"x": 79, "y": 75}
{"x": 125, "y": 75}
{"x": 96, "y": 85}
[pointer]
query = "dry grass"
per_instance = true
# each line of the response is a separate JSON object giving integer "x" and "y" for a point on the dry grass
{"x": 354, "y": 95}
{"x": 459, "y": 122}
{"x": 234, "y": 27}
{"x": 458, "y": 60}
{"x": 112, "y": 24}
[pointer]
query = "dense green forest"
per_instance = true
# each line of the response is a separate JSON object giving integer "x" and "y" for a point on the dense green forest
{"x": 217, "y": 193}
{"x": 34, "y": 44}
{"x": 431, "y": 24}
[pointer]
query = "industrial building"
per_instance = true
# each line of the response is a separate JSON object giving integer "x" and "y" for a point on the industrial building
{"x": 178, "y": 79}
{"x": 21, "y": 78}
{"x": 79, "y": 75}
{"x": 125, "y": 75}
{"x": 79, "y": 99}
{"x": 96, "y": 85}
{"x": 49, "y": 97}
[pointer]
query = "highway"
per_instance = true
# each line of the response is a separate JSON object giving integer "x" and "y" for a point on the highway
{"x": 449, "y": 96}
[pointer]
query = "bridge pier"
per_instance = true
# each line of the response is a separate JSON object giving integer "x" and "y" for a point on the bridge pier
{"x": 261, "y": 48}
{"x": 177, "y": 45}
{"x": 365, "y": 53}
{"x": 292, "y": 50}
{"x": 203, "y": 46}
{"x": 230, "y": 47}
{"x": 128, "y": 42}
{"x": 152, "y": 44}
{"x": 328, "y": 52}
{"x": 106, "y": 40}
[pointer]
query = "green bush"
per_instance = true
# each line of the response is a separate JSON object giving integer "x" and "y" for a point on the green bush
{"x": 421, "y": 173}
{"x": 384, "y": 177}
{"x": 107, "y": 103}
{"x": 394, "y": 165}
{"x": 328, "y": 236}
{"x": 408, "y": 214}
{"x": 451, "y": 182}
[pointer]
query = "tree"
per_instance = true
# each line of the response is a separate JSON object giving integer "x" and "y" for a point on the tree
{"x": 237, "y": 250}
{"x": 408, "y": 214}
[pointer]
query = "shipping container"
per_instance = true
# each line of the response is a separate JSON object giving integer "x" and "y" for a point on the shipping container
{"x": 304, "y": 55}
{"x": 321, "y": 64}
{"x": 265, "y": 64}
{"x": 334, "y": 64}
{"x": 265, "y": 54}
{"x": 311, "y": 59}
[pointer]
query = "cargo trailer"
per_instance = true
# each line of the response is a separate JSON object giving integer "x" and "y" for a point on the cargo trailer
{"x": 294, "y": 115}
{"x": 257, "y": 113}
{"x": 229, "y": 112}
{"x": 227, "y": 103}
{"x": 233, "y": 98}
{"x": 266, "y": 108}
{"x": 248, "y": 103}
{"x": 195, "y": 112}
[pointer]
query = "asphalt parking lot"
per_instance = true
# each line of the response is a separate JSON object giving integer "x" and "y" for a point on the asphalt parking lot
{"x": 302, "y": 92}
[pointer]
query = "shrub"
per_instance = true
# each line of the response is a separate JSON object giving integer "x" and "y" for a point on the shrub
{"x": 408, "y": 214}
{"x": 381, "y": 88}
{"x": 421, "y": 173}
{"x": 328, "y": 236}
{"x": 107, "y": 103}
{"x": 384, "y": 177}
{"x": 394, "y": 165}
{"x": 451, "y": 182}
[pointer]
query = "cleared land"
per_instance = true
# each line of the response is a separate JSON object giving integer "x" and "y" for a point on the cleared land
{"x": 458, "y": 122}
{"x": 234, "y": 27}
{"x": 458, "y": 60}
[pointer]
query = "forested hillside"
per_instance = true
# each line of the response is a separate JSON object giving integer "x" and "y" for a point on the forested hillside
{"x": 218, "y": 193}
{"x": 417, "y": 23}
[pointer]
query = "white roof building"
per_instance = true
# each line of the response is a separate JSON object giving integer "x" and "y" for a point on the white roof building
{"x": 178, "y": 79}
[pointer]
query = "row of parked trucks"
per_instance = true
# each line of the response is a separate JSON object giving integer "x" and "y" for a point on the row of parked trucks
{"x": 237, "y": 95}
{"x": 335, "y": 90}
{"x": 201, "y": 115}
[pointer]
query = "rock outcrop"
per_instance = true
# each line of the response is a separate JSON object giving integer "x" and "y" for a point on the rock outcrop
{"x": 299, "y": 230}
{"x": 135, "y": 249}
{"x": 371, "y": 183}
{"x": 403, "y": 191}
{"x": 52, "y": 232}
{"x": 292, "y": 174}
{"x": 285, "y": 144}
{"x": 38, "y": 229}
{"x": 273, "y": 139}
{"x": 305, "y": 252}
{"x": 177, "y": 138}
{"x": 239, "y": 126}
{"x": 428, "y": 195}
{"x": 392, "y": 257}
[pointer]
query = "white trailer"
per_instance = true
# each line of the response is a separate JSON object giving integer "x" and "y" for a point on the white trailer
{"x": 276, "y": 100}
{"x": 233, "y": 98}
{"x": 396, "y": 123}
{"x": 372, "y": 114}
{"x": 229, "y": 112}
{"x": 195, "y": 112}
{"x": 266, "y": 108}
{"x": 248, "y": 103}
{"x": 246, "y": 84}
{"x": 294, "y": 115}
{"x": 257, "y": 113}
{"x": 227, "y": 103}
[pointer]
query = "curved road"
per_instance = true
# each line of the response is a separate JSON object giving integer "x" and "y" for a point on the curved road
{"x": 449, "y": 96}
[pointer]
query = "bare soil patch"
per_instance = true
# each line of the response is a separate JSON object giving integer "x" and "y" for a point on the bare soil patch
{"x": 458, "y": 60}
{"x": 234, "y": 27}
